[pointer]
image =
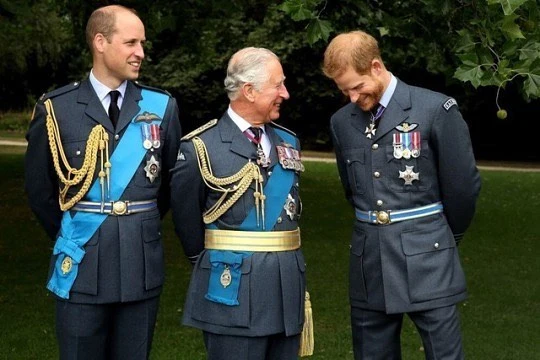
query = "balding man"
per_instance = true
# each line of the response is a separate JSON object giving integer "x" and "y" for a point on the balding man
{"x": 97, "y": 166}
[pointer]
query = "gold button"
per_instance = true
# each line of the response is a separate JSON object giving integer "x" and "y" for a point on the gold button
{"x": 383, "y": 217}
{"x": 119, "y": 208}
{"x": 379, "y": 202}
{"x": 375, "y": 146}
{"x": 377, "y": 174}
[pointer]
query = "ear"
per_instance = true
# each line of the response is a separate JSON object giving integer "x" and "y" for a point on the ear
{"x": 99, "y": 42}
{"x": 248, "y": 91}
{"x": 376, "y": 67}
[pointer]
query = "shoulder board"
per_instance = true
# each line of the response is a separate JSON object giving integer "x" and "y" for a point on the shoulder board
{"x": 201, "y": 129}
{"x": 449, "y": 103}
{"x": 282, "y": 128}
{"x": 152, "y": 88}
{"x": 60, "y": 91}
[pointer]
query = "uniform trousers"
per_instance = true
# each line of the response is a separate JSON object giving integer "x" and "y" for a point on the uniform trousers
{"x": 376, "y": 335}
{"x": 272, "y": 347}
{"x": 105, "y": 331}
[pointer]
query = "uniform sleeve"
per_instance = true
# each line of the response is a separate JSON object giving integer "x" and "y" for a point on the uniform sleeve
{"x": 459, "y": 178}
{"x": 40, "y": 180}
{"x": 168, "y": 154}
{"x": 188, "y": 201}
{"x": 342, "y": 167}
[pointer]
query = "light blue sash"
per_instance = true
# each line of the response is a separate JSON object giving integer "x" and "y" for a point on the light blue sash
{"x": 76, "y": 230}
{"x": 276, "y": 190}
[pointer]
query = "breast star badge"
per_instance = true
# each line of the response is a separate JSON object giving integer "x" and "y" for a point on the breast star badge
{"x": 409, "y": 175}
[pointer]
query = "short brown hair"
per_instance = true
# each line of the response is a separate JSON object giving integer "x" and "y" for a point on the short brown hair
{"x": 355, "y": 49}
{"x": 102, "y": 21}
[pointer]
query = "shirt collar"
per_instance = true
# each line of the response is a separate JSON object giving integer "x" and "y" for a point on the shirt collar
{"x": 103, "y": 90}
{"x": 385, "y": 99}
{"x": 242, "y": 124}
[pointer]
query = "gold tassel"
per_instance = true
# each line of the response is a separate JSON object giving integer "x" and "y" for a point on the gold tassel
{"x": 307, "y": 342}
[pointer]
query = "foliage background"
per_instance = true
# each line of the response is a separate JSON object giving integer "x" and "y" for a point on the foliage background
{"x": 476, "y": 51}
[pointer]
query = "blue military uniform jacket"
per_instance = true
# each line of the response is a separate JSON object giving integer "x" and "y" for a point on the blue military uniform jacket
{"x": 271, "y": 294}
{"x": 123, "y": 260}
{"x": 414, "y": 264}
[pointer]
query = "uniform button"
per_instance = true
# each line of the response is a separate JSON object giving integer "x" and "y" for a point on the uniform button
{"x": 269, "y": 173}
{"x": 375, "y": 146}
{"x": 377, "y": 174}
{"x": 379, "y": 202}
{"x": 348, "y": 161}
{"x": 116, "y": 137}
{"x": 279, "y": 220}
{"x": 78, "y": 152}
{"x": 436, "y": 245}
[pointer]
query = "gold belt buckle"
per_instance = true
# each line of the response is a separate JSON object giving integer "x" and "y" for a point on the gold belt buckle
{"x": 383, "y": 217}
{"x": 119, "y": 207}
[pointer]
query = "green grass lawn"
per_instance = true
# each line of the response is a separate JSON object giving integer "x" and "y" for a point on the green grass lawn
{"x": 500, "y": 254}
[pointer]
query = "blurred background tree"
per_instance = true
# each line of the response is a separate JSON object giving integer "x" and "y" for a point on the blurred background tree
{"x": 485, "y": 53}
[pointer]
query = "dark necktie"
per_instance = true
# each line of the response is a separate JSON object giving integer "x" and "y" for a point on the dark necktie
{"x": 114, "y": 111}
{"x": 257, "y": 132}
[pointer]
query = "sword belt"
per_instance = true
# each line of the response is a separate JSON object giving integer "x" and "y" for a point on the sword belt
{"x": 117, "y": 208}
{"x": 390, "y": 216}
{"x": 234, "y": 240}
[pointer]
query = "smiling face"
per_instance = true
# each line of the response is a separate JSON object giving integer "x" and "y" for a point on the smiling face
{"x": 268, "y": 98}
{"x": 119, "y": 57}
{"x": 364, "y": 90}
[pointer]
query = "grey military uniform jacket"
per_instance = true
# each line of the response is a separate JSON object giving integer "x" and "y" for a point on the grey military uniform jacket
{"x": 271, "y": 294}
{"x": 124, "y": 258}
{"x": 414, "y": 264}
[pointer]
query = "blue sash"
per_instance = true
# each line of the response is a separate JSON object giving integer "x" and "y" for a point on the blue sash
{"x": 76, "y": 230}
{"x": 276, "y": 190}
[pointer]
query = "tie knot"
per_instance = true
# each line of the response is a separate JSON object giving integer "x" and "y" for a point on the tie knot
{"x": 257, "y": 132}
{"x": 378, "y": 112}
{"x": 114, "y": 96}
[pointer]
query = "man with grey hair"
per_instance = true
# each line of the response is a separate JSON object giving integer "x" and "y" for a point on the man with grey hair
{"x": 235, "y": 202}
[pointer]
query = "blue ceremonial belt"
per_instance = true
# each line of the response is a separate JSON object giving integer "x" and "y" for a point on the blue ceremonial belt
{"x": 391, "y": 216}
{"x": 76, "y": 230}
{"x": 228, "y": 263}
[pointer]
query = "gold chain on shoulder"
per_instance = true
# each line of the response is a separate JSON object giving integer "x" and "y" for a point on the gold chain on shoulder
{"x": 236, "y": 185}
{"x": 98, "y": 140}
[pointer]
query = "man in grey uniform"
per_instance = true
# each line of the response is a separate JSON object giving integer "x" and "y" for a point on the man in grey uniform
{"x": 235, "y": 204}
{"x": 405, "y": 160}
{"x": 96, "y": 176}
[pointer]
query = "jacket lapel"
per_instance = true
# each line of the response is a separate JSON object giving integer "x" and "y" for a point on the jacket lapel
{"x": 130, "y": 106}
{"x": 94, "y": 109}
{"x": 396, "y": 112}
{"x": 230, "y": 133}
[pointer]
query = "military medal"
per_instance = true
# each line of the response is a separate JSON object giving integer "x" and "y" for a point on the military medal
{"x": 409, "y": 175}
{"x": 152, "y": 169}
{"x": 398, "y": 147}
{"x": 290, "y": 207}
{"x": 289, "y": 158}
{"x": 370, "y": 130}
{"x": 406, "y": 138}
{"x": 415, "y": 152}
{"x": 154, "y": 130}
{"x": 262, "y": 160}
{"x": 67, "y": 265}
{"x": 225, "y": 279}
{"x": 147, "y": 143}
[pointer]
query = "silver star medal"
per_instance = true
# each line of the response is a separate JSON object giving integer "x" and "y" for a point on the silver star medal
{"x": 290, "y": 207}
{"x": 409, "y": 175}
{"x": 152, "y": 169}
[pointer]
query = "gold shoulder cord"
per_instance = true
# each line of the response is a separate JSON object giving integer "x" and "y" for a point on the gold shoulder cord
{"x": 241, "y": 180}
{"x": 98, "y": 140}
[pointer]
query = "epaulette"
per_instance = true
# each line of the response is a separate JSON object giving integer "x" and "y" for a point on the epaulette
{"x": 283, "y": 128}
{"x": 60, "y": 91}
{"x": 200, "y": 129}
{"x": 449, "y": 103}
{"x": 152, "y": 88}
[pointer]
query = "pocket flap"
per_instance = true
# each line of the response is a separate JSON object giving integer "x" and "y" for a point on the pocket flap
{"x": 418, "y": 242}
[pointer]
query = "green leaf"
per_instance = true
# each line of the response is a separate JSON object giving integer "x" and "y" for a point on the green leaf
{"x": 510, "y": 28}
{"x": 509, "y": 6}
{"x": 530, "y": 51}
{"x": 469, "y": 73}
{"x": 531, "y": 86}
{"x": 383, "y": 31}
{"x": 318, "y": 30}
{"x": 465, "y": 41}
{"x": 299, "y": 10}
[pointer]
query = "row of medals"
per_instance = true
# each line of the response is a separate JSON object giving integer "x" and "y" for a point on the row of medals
{"x": 407, "y": 145}
{"x": 151, "y": 141}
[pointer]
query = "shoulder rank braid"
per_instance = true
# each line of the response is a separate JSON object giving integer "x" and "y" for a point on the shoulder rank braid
{"x": 98, "y": 140}
{"x": 240, "y": 183}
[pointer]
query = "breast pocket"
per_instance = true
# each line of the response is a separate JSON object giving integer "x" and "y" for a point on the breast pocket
{"x": 75, "y": 151}
{"x": 410, "y": 175}
{"x": 356, "y": 170}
